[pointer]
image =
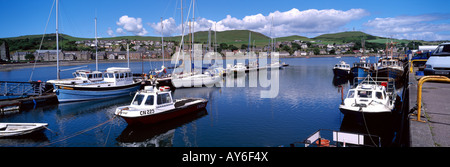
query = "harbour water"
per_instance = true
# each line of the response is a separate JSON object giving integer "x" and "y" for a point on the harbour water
{"x": 307, "y": 101}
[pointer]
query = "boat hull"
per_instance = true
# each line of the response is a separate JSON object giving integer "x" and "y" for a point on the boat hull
{"x": 166, "y": 115}
{"x": 189, "y": 82}
{"x": 340, "y": 73}
{"x": 358, "y": 111}
{"x": 390, "y": 72}
{"x": 360, "y": 72}
{"x": 21, "y": 130}
{"x": 72, "y": 94}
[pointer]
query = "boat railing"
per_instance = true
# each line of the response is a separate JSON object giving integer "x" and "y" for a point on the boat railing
{"x": 332, "y": 138}
{"x": 11, "y": 88}
{"x": 390, "y": 87}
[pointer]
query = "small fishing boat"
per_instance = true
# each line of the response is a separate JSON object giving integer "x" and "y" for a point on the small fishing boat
{"x": 152, "y": 105}
{"x": 342, "y": 69}
{"x": 362, "y": 68}
{"x": 18, "y": 129}
{"x": 369, "y": 97}
{"x": 391, "y": 68}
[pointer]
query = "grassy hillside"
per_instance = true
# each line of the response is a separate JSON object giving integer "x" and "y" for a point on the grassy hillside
{"x": 232, "y": 37}
{"x": 344, "y": 37}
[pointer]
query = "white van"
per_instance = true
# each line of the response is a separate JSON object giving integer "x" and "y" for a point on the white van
{"x": 439, "y": 61}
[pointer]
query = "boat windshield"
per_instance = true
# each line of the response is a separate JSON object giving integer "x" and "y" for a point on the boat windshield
{"x": 150, "y": 100}
{"x": 351, "y": 94}
{"x": 364, "y": 94}
{"x": 138, "y": 99}
{"x": 379, "y": 95}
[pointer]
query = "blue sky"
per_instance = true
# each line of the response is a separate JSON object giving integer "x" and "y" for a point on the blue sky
{"x": 406, "y": 19}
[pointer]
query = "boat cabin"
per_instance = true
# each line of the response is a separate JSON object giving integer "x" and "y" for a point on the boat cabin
{"x": 390, "y": 62}
{"x": 118, "y": 76}
{"x": 88, "y": 75}
{"x": 342, "y": 65}
{"x": 367, "y": 92}
{"x": 153, "y": 97}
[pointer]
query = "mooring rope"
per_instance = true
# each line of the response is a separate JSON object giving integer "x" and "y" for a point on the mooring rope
{"x": 79, "y": 132}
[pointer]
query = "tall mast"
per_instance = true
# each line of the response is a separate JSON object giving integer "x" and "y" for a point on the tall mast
{"x": 182, "y": 28}
{"x": 96, "y": 43}
{"x": 57, "y": 43}
{"x": 193, "y": 23}
{"x": 128, "y": 54}
{"x": 215, "y": 37}
{"x": 162, "y": 39}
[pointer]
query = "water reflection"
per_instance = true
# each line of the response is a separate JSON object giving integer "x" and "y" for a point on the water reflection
{"x": 158, "y": 135}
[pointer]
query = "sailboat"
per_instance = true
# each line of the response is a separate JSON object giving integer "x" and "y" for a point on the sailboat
{"x": 192, "y": 78}
{"x": 87, "y": 85}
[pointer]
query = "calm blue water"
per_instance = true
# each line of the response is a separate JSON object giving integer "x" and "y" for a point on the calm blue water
{"x": 308, "y": 100}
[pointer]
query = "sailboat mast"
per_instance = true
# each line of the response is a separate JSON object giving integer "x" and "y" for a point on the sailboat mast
{"x": 57, "y": 43}
{"x": 96, "y": 48}
{"x": 162, "y": 39}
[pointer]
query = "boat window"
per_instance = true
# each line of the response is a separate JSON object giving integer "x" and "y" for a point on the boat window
{"x": 89, "y": 76}
{"x": 100, "y": 75}
{"x": 83, "y": 75}
{"x": 365, "y": 94}
{"x": 351, "y": 94}
{"x": 163, "y": 98}
{"x": 379, "y": 95}
{"x": 138, "y": 99}
{"x": 116, "y": 75}
{"x": 150, "y": 100}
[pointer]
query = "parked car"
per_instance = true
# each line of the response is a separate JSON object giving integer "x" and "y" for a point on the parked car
{"x": 439, "y": 61}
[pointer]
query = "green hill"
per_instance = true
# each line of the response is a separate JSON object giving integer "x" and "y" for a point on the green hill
{"x": 231, "y": 37}
{"x": 345, "y": 37}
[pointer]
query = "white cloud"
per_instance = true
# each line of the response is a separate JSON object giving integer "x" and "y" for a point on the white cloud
{"x": 131, "y": 24}
{"x": 170, "y": 27}
{"x": 120, "y": 31}
{"x": 292, "y": 22}
{"x": 110, "y": 32}
{"x": 422, "y": 27}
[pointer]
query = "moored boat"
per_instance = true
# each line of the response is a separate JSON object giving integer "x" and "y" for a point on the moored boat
{"x": 19, "y": 129}
{"x": 368, "y": 97}
{"x": 362, "y": 68}
{"x": 153, "y": 105}
{"x": 342, "y": 69}
{"x": 117, "y": 82}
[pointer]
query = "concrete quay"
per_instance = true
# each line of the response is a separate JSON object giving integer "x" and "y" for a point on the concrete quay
{"x": 435, "y": 132}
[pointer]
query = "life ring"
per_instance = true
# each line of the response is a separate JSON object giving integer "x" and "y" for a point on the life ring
{"x": 323, "y": 142}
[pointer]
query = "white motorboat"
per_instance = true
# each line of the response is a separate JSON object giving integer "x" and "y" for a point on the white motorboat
{"x": 152, "y": 105}
{"x": 237, "y": 70}
{"x": 368, "y": 97}
{"x": 18, "y": 129}
{"x": 117, "y": 81}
